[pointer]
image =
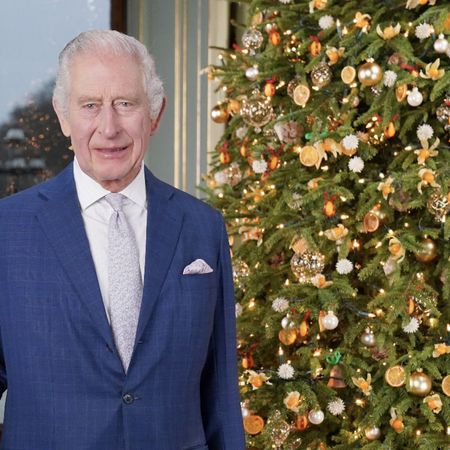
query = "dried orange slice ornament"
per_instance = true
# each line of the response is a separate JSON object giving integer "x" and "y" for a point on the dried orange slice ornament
{"x": 395, "y": 376}
{"x": 309, "y": 155}
{"x": 253, "y": 424}
{"x": 446, "y": 385}
{"x": 348, "y": 74}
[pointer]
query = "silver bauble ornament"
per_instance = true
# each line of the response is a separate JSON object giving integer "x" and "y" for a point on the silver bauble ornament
{"x": 441, "y": 44}
{"x": 252, "y": 73}
{"x": 285, "y": 321}
{"x": 415, "y": 98}
{"x": 321, "y": 75}
{"x": 368, "y": 338}
{"x": 372, "y": 433}
{"x": 330, "y": 321}
{"x": 257, "y": 110}
{"x": 252, "y": 39}
{"x": 316, "y": 416}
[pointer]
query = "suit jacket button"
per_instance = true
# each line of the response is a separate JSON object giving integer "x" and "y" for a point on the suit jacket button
{"x": 128, "y": 399}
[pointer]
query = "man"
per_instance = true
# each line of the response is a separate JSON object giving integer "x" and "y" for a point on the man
{"x": 116, "y": 308}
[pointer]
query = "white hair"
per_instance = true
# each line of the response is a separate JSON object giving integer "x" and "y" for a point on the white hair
{"x": 116, "y": 43}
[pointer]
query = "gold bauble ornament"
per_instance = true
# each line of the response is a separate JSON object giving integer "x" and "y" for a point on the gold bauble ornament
{"x": 321, "y": 75}
{"x": 370, "y": 73}
{"x": 301, "y": 94}
{"x": 253, "y": 424}
{"x": 307, "y": 265}
{"x": 219, "y": 113}
{"x": 419, "y": 384}
{"x": 395, "y": 376}
{"x": 428, "y": 252}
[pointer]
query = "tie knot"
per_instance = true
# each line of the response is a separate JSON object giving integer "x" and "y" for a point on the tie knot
{"x": 115, "y": 200}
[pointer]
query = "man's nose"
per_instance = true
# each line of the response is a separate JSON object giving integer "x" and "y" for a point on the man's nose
{"x": 109, "y": 123}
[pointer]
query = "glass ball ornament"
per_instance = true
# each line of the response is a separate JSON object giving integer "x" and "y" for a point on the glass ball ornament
{"x": 307, "y": 265}
{"x": 372, "y": 433}
{"x": 428, "y": 252}
{"x": 368, "y": 338}
{"x": 256, "y": 111}
{"x": 443, "y": 114}
{"x": 220, "y": 114}
{"x": 414, "y": 98}
{"x": 252, "y": 73}
{"x": 240, "y": 273}
{"x": 285, "y": 321}
{"x": 321, "y": 75}
{"x": 330, "y": 321}
{"x": 252, "y": 39}
{"x": 441, "y": 44}
{"x": 419, "y": 384}
{"x": 370, "y": 73}
{"x": 438, "y": 205}
{"x": 316, "y": 416}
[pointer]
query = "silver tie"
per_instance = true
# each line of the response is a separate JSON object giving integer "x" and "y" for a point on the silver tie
{"x": 124, "y": 280}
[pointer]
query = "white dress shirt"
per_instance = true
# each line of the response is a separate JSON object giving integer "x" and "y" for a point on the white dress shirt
{"x": 96, "y": 212}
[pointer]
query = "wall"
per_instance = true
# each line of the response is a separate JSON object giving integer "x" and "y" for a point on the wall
{"x": 179, "y": 34}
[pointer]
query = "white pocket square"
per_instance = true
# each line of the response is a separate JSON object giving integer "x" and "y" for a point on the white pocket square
{"x": 197, "y": 267}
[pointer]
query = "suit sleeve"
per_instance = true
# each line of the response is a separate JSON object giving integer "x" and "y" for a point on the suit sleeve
{"x": 2, "y": 370}
{"x": 221, "y": 410}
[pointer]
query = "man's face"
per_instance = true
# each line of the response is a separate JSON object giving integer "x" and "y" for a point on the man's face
{"x": 107, "y": 118}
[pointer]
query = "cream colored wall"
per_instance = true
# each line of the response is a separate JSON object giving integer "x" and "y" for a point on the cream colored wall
{"x": 179, "y": 33}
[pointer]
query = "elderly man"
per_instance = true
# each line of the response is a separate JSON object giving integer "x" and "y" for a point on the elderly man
{"x": 117, "y": 323}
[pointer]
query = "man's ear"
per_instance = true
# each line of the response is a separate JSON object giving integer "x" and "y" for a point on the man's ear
{"x": 155, "y": 123}
{"x": 63, "y": 122}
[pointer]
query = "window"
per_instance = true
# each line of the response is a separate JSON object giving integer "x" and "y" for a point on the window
{"x": 32, "y": 32}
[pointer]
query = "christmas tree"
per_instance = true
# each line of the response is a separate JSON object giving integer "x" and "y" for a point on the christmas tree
{"x": 333, "y": 176}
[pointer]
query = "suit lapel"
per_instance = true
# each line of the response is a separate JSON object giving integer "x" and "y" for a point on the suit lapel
{"x": 63, "y": 225}
{"x": 163, "y": 230}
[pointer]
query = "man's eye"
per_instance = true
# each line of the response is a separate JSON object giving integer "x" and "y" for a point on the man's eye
{"x": 89, "y": 106}
{"x": 124, "y": 104}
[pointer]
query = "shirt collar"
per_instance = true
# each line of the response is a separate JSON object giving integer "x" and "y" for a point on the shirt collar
{"x": 89, "y": 191}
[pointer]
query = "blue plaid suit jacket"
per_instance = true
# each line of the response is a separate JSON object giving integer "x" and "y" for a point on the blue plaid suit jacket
{"x": 66, "y": 386}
